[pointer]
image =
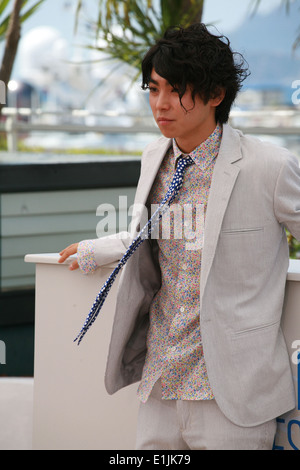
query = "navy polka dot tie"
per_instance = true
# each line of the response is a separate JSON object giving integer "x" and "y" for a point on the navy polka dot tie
{"x": 171, "y": 194}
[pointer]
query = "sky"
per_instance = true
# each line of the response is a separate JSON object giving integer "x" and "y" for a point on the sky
{"x": 228, "y": 15}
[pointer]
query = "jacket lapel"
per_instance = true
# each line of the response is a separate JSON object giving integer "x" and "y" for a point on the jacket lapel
{"x": 151, "y": 164}
{"x": 223, "y": 181}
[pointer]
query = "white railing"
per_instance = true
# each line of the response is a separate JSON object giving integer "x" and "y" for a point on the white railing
{"x": 54, "y": 121}
{"x": 267, "y": 121}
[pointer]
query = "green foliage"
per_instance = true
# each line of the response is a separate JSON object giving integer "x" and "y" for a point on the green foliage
{"x": 126, "y": 29}
{"x": 5, "y": 16}
{"x": 294, "y": 246}
{"x": 22, "y": 147}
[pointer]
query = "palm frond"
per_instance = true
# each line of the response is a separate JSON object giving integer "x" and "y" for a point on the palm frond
{"x": 3, "y": 6}
{"x": 284, "y": 3}
{"x": 141, "y": 23}
{"x": 31, "y": 10}
{"x": 4, "y": 22}
{"x": 126, "y": 29}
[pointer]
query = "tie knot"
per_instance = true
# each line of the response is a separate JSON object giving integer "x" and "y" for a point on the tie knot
{"x": 183, "y": 162}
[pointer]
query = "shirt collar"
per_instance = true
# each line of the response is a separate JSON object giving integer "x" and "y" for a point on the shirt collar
{"x": 205, "y": 152}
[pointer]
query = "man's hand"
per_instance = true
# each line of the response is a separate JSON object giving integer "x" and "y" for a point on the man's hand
{"x": 69, "y": 251}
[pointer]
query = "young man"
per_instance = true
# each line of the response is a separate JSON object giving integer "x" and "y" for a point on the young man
{"x": 200, "y": 327}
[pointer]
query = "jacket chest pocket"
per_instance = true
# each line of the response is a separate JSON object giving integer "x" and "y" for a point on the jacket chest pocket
{"x": 241, "y": 252}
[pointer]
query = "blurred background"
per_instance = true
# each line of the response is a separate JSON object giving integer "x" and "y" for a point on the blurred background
{"x": 74, "y": 119}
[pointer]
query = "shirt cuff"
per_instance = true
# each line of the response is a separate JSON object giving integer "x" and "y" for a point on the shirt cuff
{"x": 86, "y": 256}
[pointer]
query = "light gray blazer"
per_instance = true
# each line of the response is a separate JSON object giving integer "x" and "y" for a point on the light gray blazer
{"x": 255, "y": 192}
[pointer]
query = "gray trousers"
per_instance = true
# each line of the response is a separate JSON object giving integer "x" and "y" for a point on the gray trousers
{"x": 195, "y": 425}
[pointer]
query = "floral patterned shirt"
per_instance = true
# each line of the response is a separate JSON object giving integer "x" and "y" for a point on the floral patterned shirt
{"x": 174, "y": 346}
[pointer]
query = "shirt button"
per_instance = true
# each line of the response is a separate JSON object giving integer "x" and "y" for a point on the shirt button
{"x": 182, "y": 309}
{"x": 184, "y": 267}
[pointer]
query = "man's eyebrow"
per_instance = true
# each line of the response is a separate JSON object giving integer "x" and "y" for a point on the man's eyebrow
{"x": 155, "y": 82}
{"x": 151, "y": 80}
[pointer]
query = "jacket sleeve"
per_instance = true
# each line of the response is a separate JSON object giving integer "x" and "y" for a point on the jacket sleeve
{"x": 92, "y": 254}
{"x": 287, "y": 196}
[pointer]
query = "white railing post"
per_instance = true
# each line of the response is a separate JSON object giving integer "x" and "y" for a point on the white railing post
{"x": 2, "y": 353}
{"x": 72, "y": 410}
{"x": 12, "y": 133}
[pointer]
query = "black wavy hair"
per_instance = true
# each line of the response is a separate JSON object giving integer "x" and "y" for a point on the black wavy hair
{"x": 194, "y": 56}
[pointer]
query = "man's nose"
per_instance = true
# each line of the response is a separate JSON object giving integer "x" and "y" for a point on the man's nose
{"x": 163, "y": 101}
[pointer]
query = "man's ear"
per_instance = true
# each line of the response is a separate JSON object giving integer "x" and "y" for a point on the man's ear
{"x": 218, "y": 96}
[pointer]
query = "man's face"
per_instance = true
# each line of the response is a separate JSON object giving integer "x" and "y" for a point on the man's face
{"x": 189, "y": 124}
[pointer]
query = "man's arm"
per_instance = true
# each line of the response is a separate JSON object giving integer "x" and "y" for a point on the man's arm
{"x": 287, "y": 196}
{"x": 94, "y": 253}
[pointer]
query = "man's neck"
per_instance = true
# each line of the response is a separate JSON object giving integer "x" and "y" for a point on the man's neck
{"x": 188, "y": 144}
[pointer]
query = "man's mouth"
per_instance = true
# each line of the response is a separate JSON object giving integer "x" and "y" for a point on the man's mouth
{"x": 164, "y": 120}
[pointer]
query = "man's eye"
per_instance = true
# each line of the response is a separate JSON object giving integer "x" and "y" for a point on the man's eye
{"x": 152, "y": 89}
